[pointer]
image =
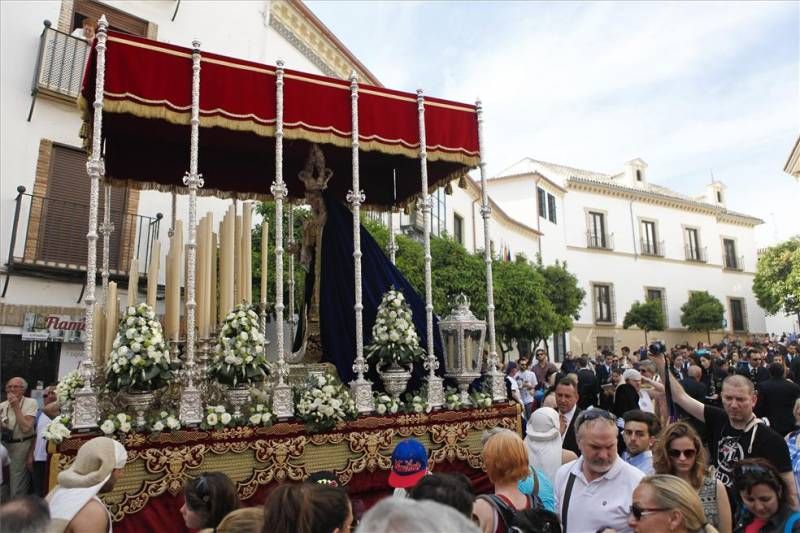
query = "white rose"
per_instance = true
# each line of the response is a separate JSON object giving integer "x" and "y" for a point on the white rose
{"x": 336, "y": 403}
{"x": 321, "y": 381}
{"x": 328, "y": 389}
{"x": 381, "y": 409}
{"x": 116, "y": 343}
{"x": 131, "y": 310}
{"x": 243, "y": 335}
{"x": 266, "y": 418}
{"x": 136, "y": 347}
{"x": 158, "y": 426}
{"x": 122, "y": 417}
{"x": 393, "y": 408}
{"x": 392, "y": 314}
{"x": 396, "y": 303}
{"x": 130, "y": 333}
{"x": 255, "y": 419}
{"x": 211, "y": 419}
{"x": 137, "y": 361}
{"x": 108, "y": 427}
{"x": 383, "y": 337}
{"x": 131, "y": 321}
{"x": 394, "y": 336}
{"x": 225, "y": 418}
{"x": 125, "y": 427}
{"x": 219, "y": 409}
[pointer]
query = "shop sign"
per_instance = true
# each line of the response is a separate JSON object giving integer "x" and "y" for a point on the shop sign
{"x": 58, "y": 328}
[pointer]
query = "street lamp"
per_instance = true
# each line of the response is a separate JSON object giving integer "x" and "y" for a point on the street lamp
{"x": 462, "y": 336}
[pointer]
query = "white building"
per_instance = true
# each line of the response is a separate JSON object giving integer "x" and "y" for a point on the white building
{"x": 44, "y": 228}
{"x": 628, "y": 239}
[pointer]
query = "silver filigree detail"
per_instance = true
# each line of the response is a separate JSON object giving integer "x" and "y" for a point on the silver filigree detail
{"x": 86, "y": 409}
{"x": 434, "y": 387}
{"x": 282, "y": 401}
{"x": 279, "y": 192}
{"x": 361, "y": 390}
{"x": 355, "y": 199}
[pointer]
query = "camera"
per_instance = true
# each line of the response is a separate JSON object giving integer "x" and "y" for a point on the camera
{"x": 656, "y": 348}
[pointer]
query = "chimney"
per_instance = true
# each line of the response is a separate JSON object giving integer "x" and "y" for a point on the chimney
{"x": 716, "y": 193}
{"x": 635, "y": 172}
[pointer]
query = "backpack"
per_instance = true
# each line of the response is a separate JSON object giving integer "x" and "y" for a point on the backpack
{"x": 506, "y": 512}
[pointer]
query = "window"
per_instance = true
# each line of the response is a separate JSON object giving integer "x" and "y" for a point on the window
{"x": 657, "y": 293}
{"x": 605, "y": 343}
{"x": 542, "y": 197}
{"x": 693, "y": 252}
{"x": 648, "y": 233}
{"x": 36, "y": 360}
{"x": 602, "y": 303}
{"x": 458, "y": 228}
{"x": 559, "y": 346}
{"x": 118, "y": 20}
{"x": 638, "y": 175}
{"x": 597, "y": 230}
{"x": 719, "y": 196}
{"x": 551, "y": 208}
{"x": 438, "y": 217}
{"x": 737, "y": 314}
{"x": 729, "y": 250}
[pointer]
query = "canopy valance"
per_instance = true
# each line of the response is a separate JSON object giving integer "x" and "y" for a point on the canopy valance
{"x": 147, "y": 111}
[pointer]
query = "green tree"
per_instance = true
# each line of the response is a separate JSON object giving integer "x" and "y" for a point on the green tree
{"x": 777, "y": 280}
{"x": 647, "y": 316}
{"x": 702, "y": 312}
{"x": 563, "y": 292}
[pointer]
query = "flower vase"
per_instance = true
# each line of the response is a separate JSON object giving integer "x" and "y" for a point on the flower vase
{"x": 238, "y": 396}
{"x": 395, "y": 379}
{"x": 139, "y": 402}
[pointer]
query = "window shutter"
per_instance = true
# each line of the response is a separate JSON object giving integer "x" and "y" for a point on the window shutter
{"x": 117, "y": 20}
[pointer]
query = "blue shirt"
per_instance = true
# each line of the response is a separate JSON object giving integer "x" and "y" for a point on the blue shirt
{"x": 643, "y": 461}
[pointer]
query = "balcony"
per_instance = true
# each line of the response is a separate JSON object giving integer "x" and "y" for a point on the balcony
{"x": 695, "y": 254}
{"x": 602, "y": 241}
{"x": 55, "y": 245}
{"x": 59, "y": 65}
{"x": 732, "y": 262}
{"x": 653, "y": 249}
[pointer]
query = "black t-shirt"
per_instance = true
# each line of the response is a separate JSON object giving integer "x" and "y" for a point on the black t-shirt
{"x": 728, "y": 446}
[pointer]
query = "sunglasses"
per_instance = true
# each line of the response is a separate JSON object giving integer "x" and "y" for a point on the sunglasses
{"x": 689, "y": 454}
{"x": 593, "y": 414}
{"x": 639, "y": 512}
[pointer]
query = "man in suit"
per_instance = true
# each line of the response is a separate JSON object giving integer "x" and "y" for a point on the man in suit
{"x": 567, "y": 404}
{"x": 588, "y": 385}
{"x": 603, "y": 370}
{"x": 793, "y": 358}
{"x": 776, "y": 397}
{"x": 755, "y": 369}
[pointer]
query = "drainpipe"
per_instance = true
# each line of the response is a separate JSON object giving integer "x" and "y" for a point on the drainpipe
{"x": 633, "y": 229}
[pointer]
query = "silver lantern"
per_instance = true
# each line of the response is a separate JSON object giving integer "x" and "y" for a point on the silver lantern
{"x": 462, "y": 337}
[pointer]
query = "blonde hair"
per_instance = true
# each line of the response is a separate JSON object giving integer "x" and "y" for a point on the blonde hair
{"x": 661, "y": 461}
{"x": 244, "y": 520}
{"x": 673, "y": 493}
{"x": 505, "y": 458}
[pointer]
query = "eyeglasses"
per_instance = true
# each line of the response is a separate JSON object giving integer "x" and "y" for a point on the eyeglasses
{"x": 593, "y": 414}
{"x": 639, "y": 512}
{"x": 689, "y": 453}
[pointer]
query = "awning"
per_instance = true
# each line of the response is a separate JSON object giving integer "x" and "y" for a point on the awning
{"x": 147, "y": 109}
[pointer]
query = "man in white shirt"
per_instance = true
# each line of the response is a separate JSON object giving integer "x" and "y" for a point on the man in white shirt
{"x": 595, "y": 491}
{"x": 526, "y": 381}
{"x": 17, "y": 416}
{"x": 37, "y": 457}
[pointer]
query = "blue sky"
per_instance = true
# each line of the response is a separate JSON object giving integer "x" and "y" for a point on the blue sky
{"x": 691, "y": 88}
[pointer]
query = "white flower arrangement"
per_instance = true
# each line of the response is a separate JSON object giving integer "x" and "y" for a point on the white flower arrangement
{"x": 260, "y": 415}
{"x": 394, "y": 339}
{"x": 217, "y": 417}
{"x": 65, "y": 390}
{"x": 117, "y": 423}
{"x": 416, "y": 402}
{"x": 386, "y": 405}
{"x": 139, "y": 360}
{"x": 164, "y": 421}
{"x": 481, "y": 400}
{"x": 58, "y": 429}
{"x": 322, "y": 402}
{"x": 452, "y": 399}
{"x": 239, "y": 355}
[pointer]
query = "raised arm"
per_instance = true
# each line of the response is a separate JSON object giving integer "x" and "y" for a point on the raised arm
{"x": 679, "y": 396}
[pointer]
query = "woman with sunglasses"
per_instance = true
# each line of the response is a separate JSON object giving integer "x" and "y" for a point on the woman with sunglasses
{"x": 664, "y": 503}
{"x": 207, "y": 499}
{"x": 679, "y": 452}
{"x": 765, "y": 501}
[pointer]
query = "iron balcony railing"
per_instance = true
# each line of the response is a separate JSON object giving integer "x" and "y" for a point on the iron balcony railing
{"x": 54, "y": 233}
{"x": 733, "y": 262}
{"x": 695, "y": 253}
{"x": 655, "y": 249}
{"x": 59, "y": 65}
{"x": 604, "y": 241}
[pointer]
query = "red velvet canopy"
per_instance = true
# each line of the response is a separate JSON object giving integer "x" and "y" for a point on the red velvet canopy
{"x": 147, "y": 109}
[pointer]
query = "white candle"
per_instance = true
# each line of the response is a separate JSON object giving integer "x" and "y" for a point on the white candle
{"x": 99, "y": 335}
{"x": 112, "y": 312}
{"x": 152, "y": 274}
{"x": 264, "y": 258}
{"x": 212, "y": 313}
{"x": 237, "y": 261}
{"x": 133, "y": 282}
{"x": 247, "y": 252}
{"x": 200, "y": 275}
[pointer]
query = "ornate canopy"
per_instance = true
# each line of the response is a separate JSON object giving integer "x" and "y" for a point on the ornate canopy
{"x": 147, "y": 110}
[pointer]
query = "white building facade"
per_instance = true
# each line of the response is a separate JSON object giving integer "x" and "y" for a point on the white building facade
{"x": 628, "y": 239}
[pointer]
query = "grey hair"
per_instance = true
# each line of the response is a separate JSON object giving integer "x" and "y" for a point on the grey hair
{"x": 27, "y": 514}
{"x": 24, "y": 382}
{"x": 650, "y": 365}
{"x": 401, "y": 515}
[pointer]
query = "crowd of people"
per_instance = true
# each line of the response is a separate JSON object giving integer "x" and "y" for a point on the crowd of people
{"x": 699, "y": 439}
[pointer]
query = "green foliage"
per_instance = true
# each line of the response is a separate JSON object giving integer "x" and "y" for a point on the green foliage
{"x": 563, "y": 292}
{"x": 703, "y": 312}
{"x": 647, "y": 316}
{"x": 777, "y": 280}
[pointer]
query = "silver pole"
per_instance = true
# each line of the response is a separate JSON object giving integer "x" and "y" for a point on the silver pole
{"x": 290, "y": 242}
{"x": 106, "y": 228}
{"x": 435, "y": 383}
{"x": 86, "y": 411}
{"x": 191, "y": 407}
{"x": 392, "y": 242}
{"x": 496, "y": 379}
{"x": 360, "y": 387}
{"x": 282, "y": 403}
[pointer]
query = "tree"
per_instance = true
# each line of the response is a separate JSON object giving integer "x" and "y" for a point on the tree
{"x": 703, "y": 312}
{"x": 777, "y": 280}
{"x": 563, "y": 292}
{"x": 647, "y": 316}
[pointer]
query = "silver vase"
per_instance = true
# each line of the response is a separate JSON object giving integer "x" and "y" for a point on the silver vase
{"x": 395, "y": 379}
{"x": 237, "y": 397}
{"x": 139, "y": 402}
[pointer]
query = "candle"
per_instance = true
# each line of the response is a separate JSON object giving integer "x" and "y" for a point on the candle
{"x": 237, "y": 261}
{"x": 98, "y": 341}
{"x": 226, "y": 280}
{"x": 152, "y": 273}
{"x": 133, "y": 282}
{"x": 200, "y": 273}
{"x": 173, "y": 285}
{"x": 212, "y": 313}
{"x": 264, "y": 259}
{"x": 247, "y": 252}
{"x": 112, "y": 311}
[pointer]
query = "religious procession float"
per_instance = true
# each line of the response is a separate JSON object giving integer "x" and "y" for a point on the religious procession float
{"x": 368, "y": 365}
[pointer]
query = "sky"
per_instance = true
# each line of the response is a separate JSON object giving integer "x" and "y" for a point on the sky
{"x": 693, "y": 88}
